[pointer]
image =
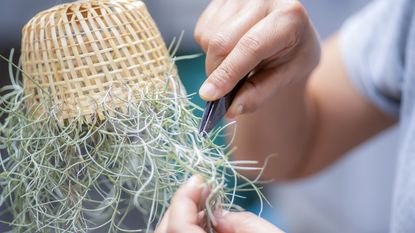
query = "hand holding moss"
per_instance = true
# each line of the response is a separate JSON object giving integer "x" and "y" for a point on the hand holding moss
{"x": 184, "y": 216}
{"x": 273, "y": 38}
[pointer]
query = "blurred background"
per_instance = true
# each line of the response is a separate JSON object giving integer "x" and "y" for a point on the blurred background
{"x": 354, "y": 195}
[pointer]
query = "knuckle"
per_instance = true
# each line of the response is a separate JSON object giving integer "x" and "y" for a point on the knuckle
{"x": 251, "y": 44}
{"x": 219, "y": 81}
{"x": 197, "y": 35}
{"x": 293, "y": 40}
{"x": 297, "y": 11}
{"x": 202, "y": 40}
{"x": 219, "y": 45}
{"x": 224, "y": 75}
{"x": 201, "y": 37}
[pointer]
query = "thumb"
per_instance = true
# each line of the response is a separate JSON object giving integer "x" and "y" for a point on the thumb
{"x": 242, "y": 222}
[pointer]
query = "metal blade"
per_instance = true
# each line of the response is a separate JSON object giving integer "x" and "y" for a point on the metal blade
{"x": 216, "y": 110}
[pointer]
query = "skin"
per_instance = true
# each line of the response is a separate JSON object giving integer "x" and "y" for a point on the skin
{"x": 183, "y": 215}
{"x": 298, "y": 103}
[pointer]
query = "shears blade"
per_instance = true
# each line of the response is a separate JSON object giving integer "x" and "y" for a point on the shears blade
{"x": 216, "y": 110}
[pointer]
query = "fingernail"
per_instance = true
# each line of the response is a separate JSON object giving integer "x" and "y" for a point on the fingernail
{"x": 205, "y": 191}
{"x": 218, "y": 215}
{"x": 194, "y": 180}
{"x": 239, "y": 109}
{"x": 235, "y": 111}
{"x": 208, "y": 91}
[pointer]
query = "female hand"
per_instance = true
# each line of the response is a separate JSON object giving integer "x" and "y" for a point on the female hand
{"x": 183, "y": 216}
{"x": 272, "y": 38}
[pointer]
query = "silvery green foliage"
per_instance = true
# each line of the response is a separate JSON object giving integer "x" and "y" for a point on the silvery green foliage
{"x": 77, "y": 176}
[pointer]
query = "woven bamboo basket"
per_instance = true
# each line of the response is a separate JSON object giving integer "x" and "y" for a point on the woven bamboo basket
{"x": 77, "y": 52}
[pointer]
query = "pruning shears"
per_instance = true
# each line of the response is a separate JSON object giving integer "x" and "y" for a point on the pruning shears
{"x": 216, "y": 110}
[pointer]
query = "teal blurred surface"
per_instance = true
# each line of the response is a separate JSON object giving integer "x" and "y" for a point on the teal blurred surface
{"x": 192, "y": 74}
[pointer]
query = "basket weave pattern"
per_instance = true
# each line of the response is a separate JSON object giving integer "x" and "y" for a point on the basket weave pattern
{"x": 76, "y": 52}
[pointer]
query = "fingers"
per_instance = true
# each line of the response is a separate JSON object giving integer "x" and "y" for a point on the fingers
{"x": 258, "y": 89}
{"x": 239, "y": 41}
{"x": 273, "y": 36}
{"x": 183, "y": 212}
{"x": 224, "y": 38}
{"x": 242, "y": 222}
{"x": 218, "y": 12}
{"x": 269, "y": 81}
{"x": 162, "y": 227}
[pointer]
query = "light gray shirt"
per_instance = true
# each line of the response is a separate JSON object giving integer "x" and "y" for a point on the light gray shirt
{"x": 378, "y": 48}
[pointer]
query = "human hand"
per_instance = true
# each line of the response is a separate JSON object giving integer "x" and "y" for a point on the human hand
{"x": 183, "y": 216}
{"x": 273, "y": 38}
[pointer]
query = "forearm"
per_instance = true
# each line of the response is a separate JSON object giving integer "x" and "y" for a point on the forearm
{"x": 344, "y": 117}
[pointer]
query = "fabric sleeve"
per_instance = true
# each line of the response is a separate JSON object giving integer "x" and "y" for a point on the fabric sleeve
{"x": 373, "y": 44}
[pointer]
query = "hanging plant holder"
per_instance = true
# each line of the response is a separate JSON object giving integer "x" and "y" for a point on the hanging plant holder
{"x": 101, "y": 125}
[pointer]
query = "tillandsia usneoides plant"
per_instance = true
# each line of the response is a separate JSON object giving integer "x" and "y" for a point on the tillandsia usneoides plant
{"x": 99, "y": 126}
{"x": 83, "y": 177}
